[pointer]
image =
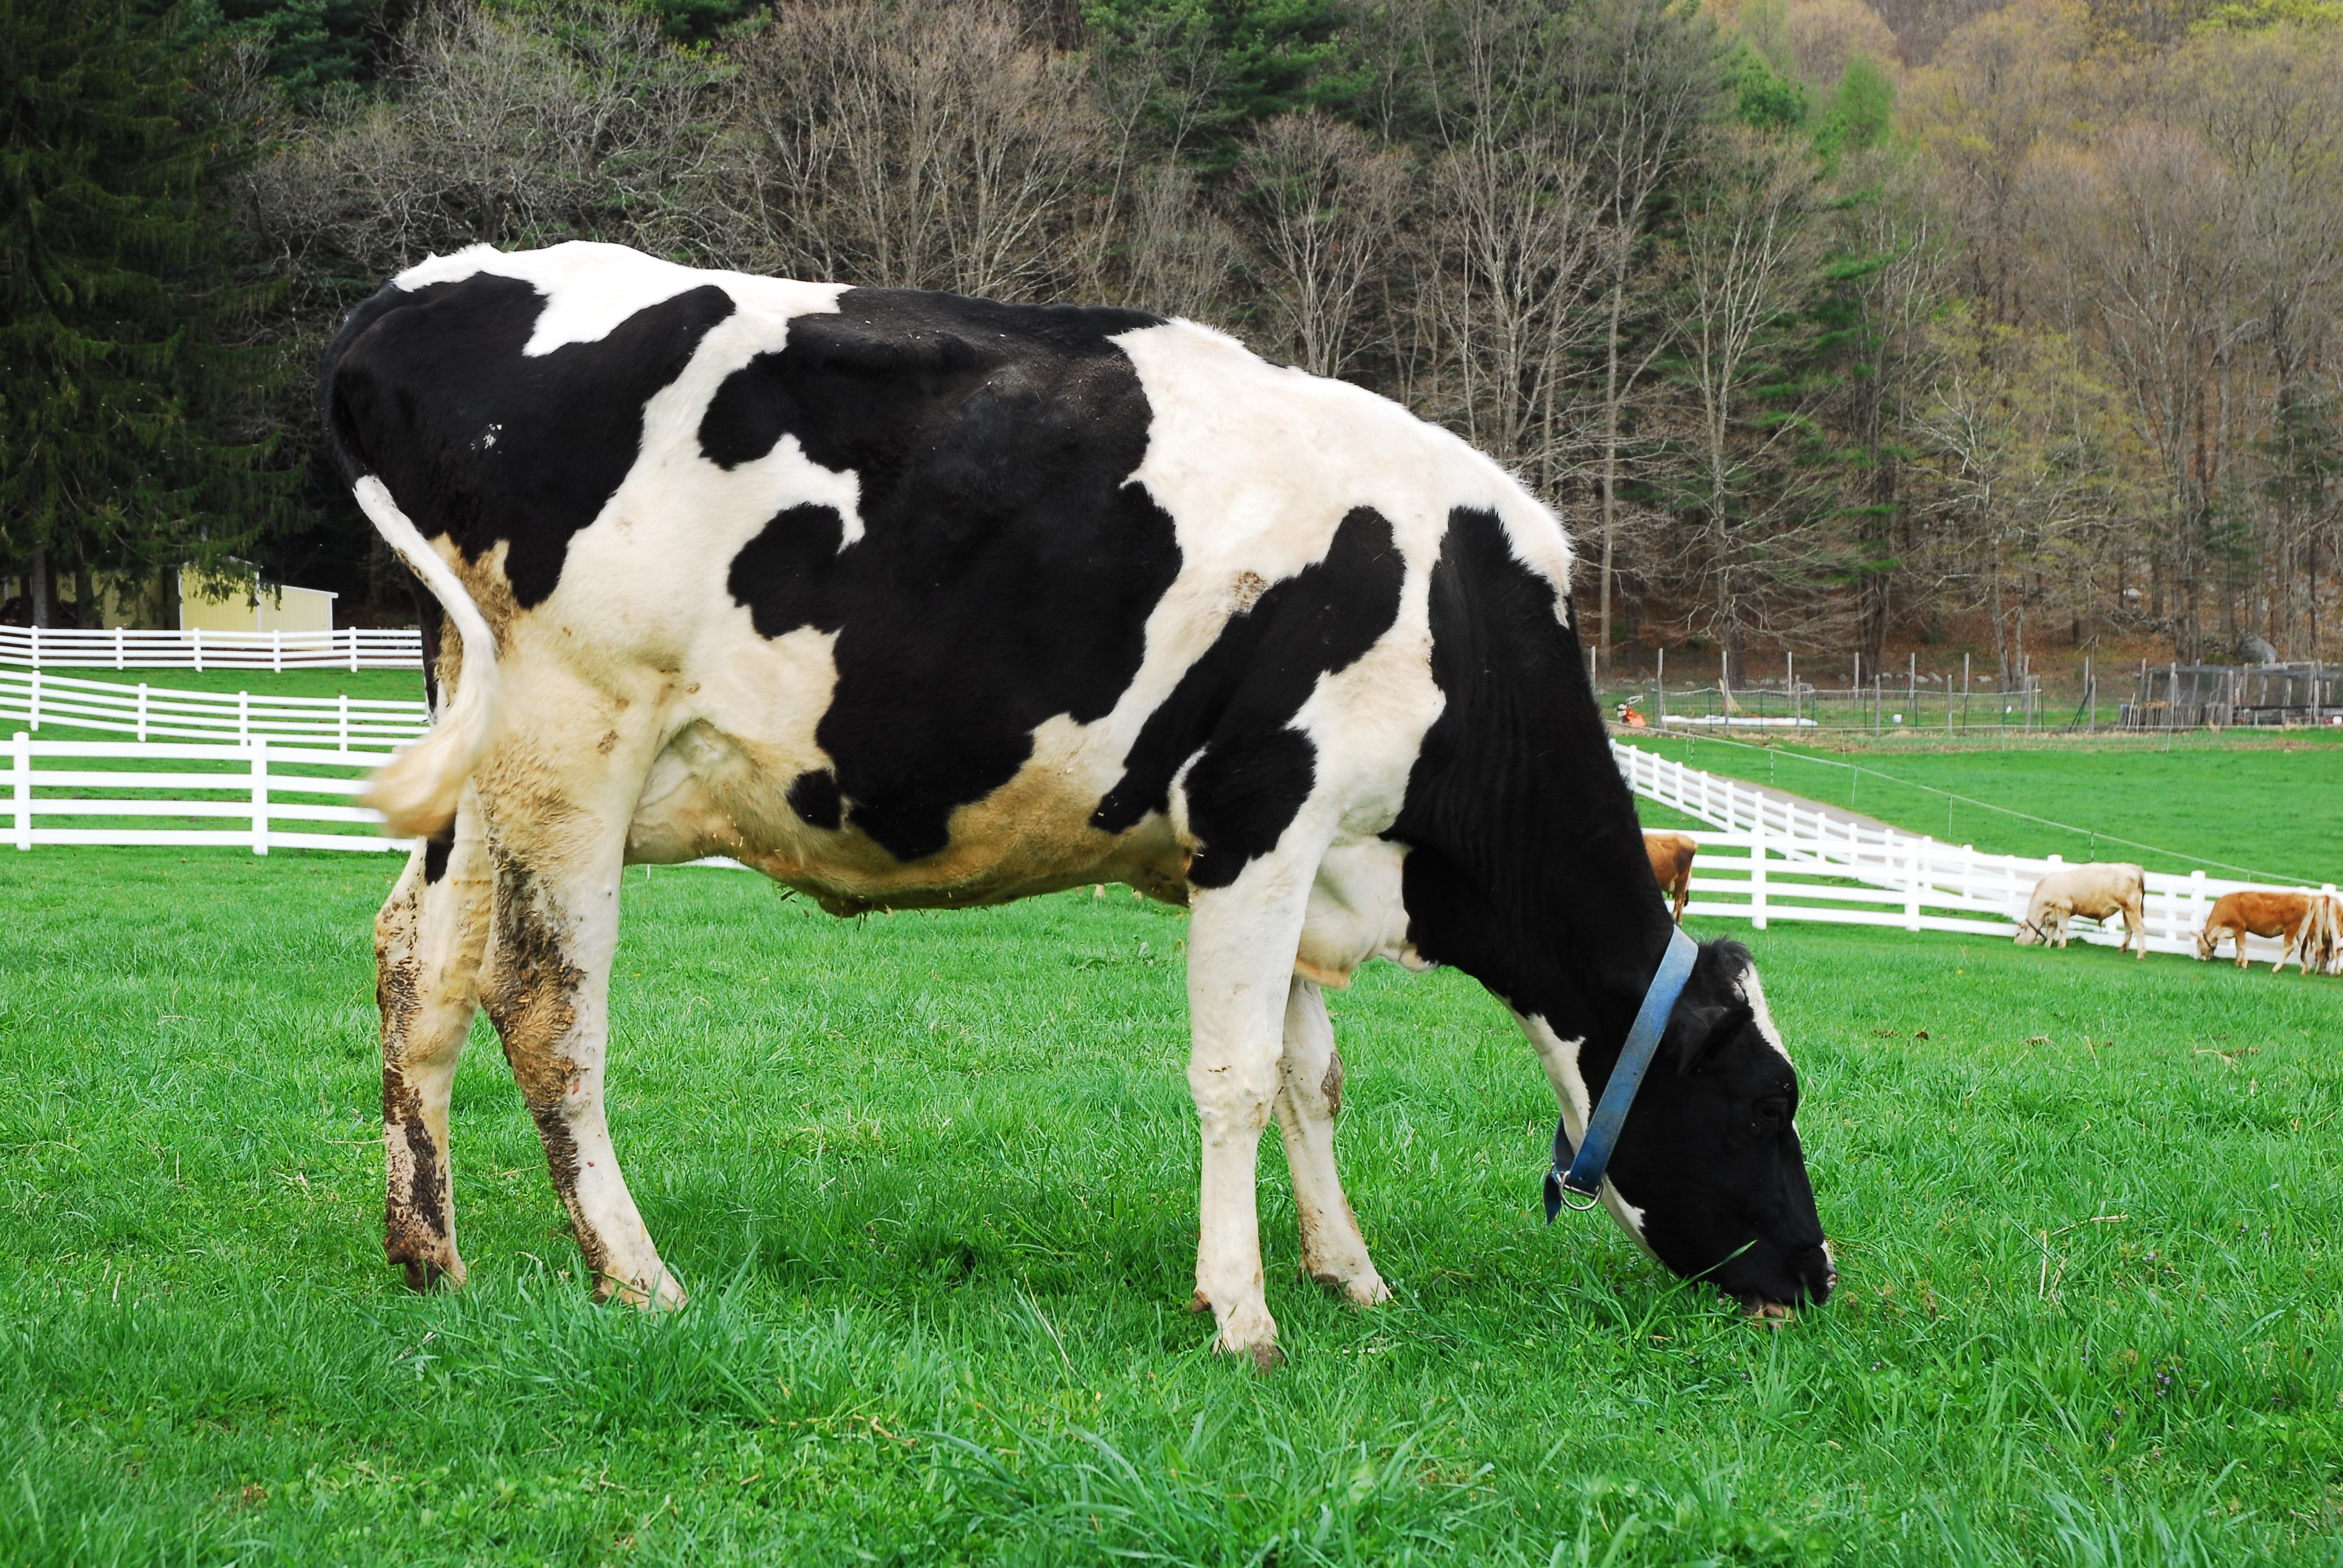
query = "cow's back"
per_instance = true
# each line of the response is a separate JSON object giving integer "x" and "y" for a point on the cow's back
{"x": 926, "y": 582}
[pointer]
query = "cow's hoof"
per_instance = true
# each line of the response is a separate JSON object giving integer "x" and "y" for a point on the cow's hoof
{"x": 1771, "y": 1314}
{"x": 442, "y": 1272}
{"x": 1250, "y": 1331}
{"x": 1360, "y": 1287}
{"x": 1264, "y": 1355}
{"x": 664, "y": 1295}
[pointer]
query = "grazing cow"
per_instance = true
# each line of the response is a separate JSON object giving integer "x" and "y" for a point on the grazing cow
{"x": 2295, "y": 919}
{"x": 1671, "y": 856}
{"x": 908, "y": 599}
{"x": 2099, "y": 891}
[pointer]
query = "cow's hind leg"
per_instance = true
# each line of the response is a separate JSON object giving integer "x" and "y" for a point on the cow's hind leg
{"x": 545, "y": 986}
{"x": 428, "y": 941}
{"x": 1309, "y": 1098}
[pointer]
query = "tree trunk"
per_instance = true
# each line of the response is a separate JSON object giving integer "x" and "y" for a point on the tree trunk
{"x": 38, "y": 583}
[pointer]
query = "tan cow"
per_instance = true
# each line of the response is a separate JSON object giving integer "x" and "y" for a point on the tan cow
{"x": 2297, "y": 919}
{"x": 2099, "y": 892}
{"x": 1671, "y": 856}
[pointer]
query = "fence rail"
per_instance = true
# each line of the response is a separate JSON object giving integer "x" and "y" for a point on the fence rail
{"x": 1764, "y": 857}
{"x": 253, "y": 784}
{"x": 1770, "y": 859}
{"x": 143, "y": 712}
{"x": 352, "y": 647}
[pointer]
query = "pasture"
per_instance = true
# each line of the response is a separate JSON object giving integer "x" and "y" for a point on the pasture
{"x": 932, "y": 1179}
{"x": 2262, "y": 802}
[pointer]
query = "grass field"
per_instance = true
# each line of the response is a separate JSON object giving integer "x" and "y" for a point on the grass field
{"x": 932, "y": 1179}
{"x": 2265, "y": 803}
{"x": 404, "y": 684}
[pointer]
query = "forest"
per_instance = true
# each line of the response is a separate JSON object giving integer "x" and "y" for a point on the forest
{"x": 1829, "y": 330}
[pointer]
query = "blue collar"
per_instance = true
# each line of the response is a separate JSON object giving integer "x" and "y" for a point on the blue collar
{"x": 1583, "y": 1176}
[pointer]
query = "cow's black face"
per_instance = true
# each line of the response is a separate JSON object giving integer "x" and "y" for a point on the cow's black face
{"x": 1710, "y": 1151}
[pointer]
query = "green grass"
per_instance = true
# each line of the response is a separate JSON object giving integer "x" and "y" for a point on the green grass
{"x": 2263, "y": 803}
{"x": 406, "y": 685}
{"x": 932, "y": 1179}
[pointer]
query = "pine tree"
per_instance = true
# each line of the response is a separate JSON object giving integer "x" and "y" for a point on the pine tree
{"x": 121, "y": 378}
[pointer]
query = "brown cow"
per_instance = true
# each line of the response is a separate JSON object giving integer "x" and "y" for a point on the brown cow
{"x": 2286, "y": 916}
{"x": 1671, "y": 855}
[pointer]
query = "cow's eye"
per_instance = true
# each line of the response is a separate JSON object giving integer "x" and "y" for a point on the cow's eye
{"x": 1773, "y": 1110}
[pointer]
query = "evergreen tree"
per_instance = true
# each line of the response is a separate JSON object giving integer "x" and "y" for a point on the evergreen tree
{"x": 121, "y": 378}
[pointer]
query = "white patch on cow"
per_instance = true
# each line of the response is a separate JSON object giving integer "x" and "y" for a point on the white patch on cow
{"x": 1355, "y": 912}
{"x": 591, "y": 289}
{"x": 1753, "y": 993}
{"x": 1561, "y": 1059}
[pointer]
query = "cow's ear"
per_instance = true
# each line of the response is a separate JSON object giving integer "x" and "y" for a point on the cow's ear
{"x": 1699, "y": 1028}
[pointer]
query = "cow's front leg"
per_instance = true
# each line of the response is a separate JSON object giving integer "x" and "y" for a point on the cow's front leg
{"x": 428, "y": 943}
{"x": 1240, "y": 946}
{"x": 1309, "y": 1098}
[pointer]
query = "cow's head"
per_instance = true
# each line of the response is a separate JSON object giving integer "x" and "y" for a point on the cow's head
{"x": 1709, "y": 1162}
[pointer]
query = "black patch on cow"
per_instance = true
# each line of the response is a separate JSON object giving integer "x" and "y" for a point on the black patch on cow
{"x": 1525, "y": 846}
{"x": 435, "y": 856}
{"x": 1007, "y": 566}
{"x": 1526, "y": 869}
{"x": 430, "y": 392}
{"x": 814, "y": 798}
{"x": 1237, "y": 703}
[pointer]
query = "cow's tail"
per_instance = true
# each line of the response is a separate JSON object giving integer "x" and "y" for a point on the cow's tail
{"x": 416, "y": 790}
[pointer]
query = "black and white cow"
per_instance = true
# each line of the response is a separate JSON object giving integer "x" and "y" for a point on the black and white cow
{"x": 908, "y": 599}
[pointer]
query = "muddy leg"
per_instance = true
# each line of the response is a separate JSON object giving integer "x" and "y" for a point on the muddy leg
{"x": 1309, "y": 1098}
{"x": 546, "y": 987}
{"x": 427, "y": 941}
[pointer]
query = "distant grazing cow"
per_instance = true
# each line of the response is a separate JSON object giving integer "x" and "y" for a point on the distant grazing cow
{"x": 1671, "y": 856}
{"x": 907, "y": 599}
{"x": 2099, "y": 891}
{"x": 2295, "y": 919}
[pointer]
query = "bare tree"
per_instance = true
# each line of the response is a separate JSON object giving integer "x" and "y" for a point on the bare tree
{"x": 1323, "y": 200}
{"x": 919, "y": 144}
{"x": 1749, "y": 244}
{"x": 1640, "y": 79}
{"x": 1511, "y": 234}
{"x": 2146, "y": 231}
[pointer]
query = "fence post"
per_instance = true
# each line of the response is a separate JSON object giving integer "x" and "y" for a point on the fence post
{"x": 2197, "y": 904}
{"x": 277, "y": 650}
{"x": 354, "y": 649}
{"x": 199, "y": 649}
{"x": 1911, "y": 885}
{"x": 34, "y": 709}
{"x": 259, "y": 744}
{"x": 243, "y": 716}
{"x": 343, "y": 715}
{"x": 117, "y": 649}
{"x": 21, "y": 772}
{"x": 142, "y": 711}
{"x": 1758, "y": 870}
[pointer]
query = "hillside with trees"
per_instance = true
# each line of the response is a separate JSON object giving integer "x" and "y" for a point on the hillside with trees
{"x": 1826, "y": 328}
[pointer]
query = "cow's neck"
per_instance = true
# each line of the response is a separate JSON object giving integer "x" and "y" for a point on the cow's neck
{"x": 1610, "y": 932}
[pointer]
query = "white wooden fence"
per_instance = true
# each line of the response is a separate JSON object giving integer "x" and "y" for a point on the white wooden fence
{"x": 1766, "y": 858}
{"x": 352, "y": 647}
{"x": 1772, "y": 860}
{"x": 259, "y": 787}
{"x": 36, "y": 698}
